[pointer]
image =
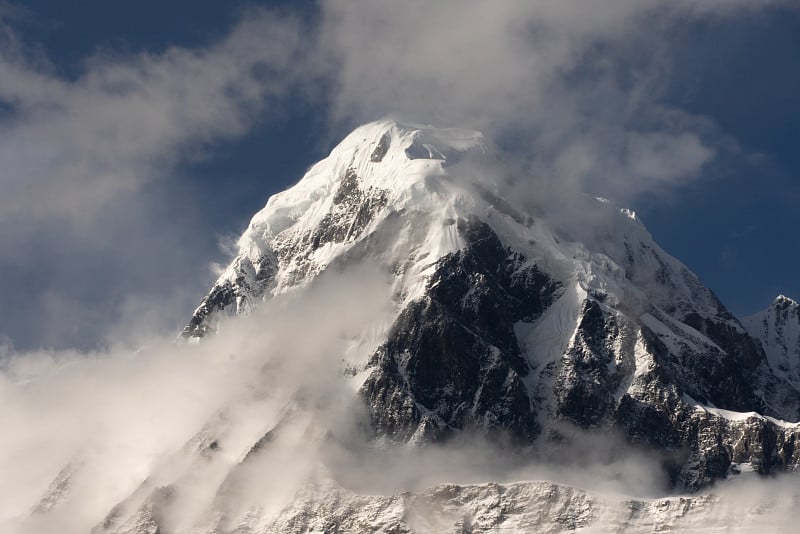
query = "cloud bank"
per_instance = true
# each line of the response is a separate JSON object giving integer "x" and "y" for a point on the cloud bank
{"x": 170, "y": 429}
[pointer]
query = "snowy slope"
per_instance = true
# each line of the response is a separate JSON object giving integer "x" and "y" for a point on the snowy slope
{"x": 524, "y": 507}
{"x": 778, "y": 330}
{"x": 379, "y": 170}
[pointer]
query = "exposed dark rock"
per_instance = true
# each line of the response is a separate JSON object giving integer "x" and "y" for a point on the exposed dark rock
{"x": 452, "y": 360}
{"x": 251, "y": 282}
{"x": 381, "y": 149}
{"x": 588, "y": 378}
{"x": 221, "y": 297}
{"x": 744, "y": 350}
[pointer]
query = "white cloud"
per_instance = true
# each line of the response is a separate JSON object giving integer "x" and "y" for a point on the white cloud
{"x": 579, "y": 85}
{"x": 86, "y": 166}
{"x": 71, "y": 147}
{"x": 120, "y": 416}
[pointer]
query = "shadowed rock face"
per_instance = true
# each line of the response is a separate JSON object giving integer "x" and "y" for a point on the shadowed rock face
{"x": 452, "y": 360}
{"x": 588, "y": 378}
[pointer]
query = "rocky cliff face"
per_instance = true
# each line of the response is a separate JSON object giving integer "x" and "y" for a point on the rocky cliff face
{"x": 510, "y": 325}
{"x": 452, "y": 360}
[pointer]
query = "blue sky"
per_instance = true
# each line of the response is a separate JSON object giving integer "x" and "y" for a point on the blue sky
{"x": 738, "y": 229}
{"x": 727, "y": 79}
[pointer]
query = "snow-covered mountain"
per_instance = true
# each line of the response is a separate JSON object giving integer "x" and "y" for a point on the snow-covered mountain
{"x": 778, "y": 330}
{"x": 512, "y": 317}
{"x": 505, "y": 321}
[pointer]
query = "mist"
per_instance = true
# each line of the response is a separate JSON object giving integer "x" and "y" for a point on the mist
{"x": 258, "y": 415}
{"x": 121, "y": 416}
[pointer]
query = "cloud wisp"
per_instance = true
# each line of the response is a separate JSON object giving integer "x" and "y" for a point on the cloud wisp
{"x": 130, "y": 119}
{"x": 87, "y": 212}
{"x": 578, "y": 89}
{"x": 112, "y": 419}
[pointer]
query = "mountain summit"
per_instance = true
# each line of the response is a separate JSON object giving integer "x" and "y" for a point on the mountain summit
{"x": 514, "y": 319}
{"x": 508, "y": 321}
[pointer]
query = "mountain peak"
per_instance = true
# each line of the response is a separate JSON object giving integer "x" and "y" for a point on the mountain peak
{"x": 393, "y": 141}
{"x": 386, "y": 171}
{"x": 507, "y": 317}
{"x": 372, "y": 132}
{"x": 499, "y": 319}
{"x": 783, "y": 300}
{"x": 379, "y": 170}
{"x": 777, "y": 328}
